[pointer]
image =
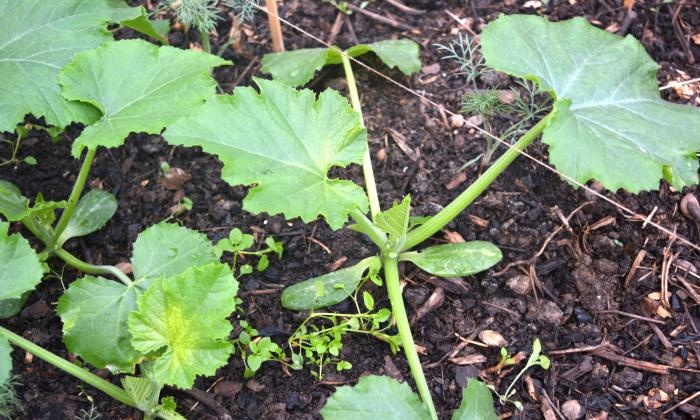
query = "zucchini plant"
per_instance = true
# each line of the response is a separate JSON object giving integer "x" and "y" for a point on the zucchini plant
{"x": 608, "y": 123}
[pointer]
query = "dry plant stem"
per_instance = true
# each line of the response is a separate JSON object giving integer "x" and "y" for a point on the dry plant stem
{"x": 393, "y": 287}
{"x": 370, "y": 184}
{"x": 275, "y": 27}
{"x": 452, "y": 210}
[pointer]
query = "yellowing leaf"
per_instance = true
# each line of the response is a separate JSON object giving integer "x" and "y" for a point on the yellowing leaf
{"x": 184, "y": 317}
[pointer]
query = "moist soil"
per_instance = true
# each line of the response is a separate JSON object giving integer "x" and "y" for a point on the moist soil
{"x": 580, "y": 267}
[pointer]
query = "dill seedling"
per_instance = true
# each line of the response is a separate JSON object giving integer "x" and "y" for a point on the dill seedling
{"x": 9, "y": 402}
{"x": 466, "y": 53}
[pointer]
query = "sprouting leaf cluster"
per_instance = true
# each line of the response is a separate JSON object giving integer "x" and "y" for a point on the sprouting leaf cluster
{"x": 242, "y": 246}
{"x": 255, "y": 350}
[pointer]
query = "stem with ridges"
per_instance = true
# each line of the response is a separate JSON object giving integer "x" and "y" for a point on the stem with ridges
{"x": 452, "y": 210}
{"x": 377, "y": 236}
{"x": 108, "y": 388}
{"x": 74, "y": 197}
{"x": 393, "y": 287}
{"x": 81, "y": 265}
{"x": 370, "y": 184}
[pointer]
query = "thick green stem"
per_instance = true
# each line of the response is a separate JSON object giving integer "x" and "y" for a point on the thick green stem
{"x": 108, "y": 388}
{"x": 440, "y": 220}
{"x": 365, "y": 226}
{"x": 370, "y": 184}
{"x": 74, "y": 197}
{"x": 393, "y": 286}
{"x": 81, "y": 265}
{"x": 206, "y": 43}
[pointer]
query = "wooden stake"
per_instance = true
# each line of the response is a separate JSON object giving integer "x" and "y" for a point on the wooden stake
{"x": 275, "y": 27}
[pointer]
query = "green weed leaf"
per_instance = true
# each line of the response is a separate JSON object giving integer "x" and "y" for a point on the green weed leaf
{"x": 455, "y": 260}
{"x": 296, "y": 68}
{"x": 185, "y": 318}
{"x": 94, "y": 312}
{"x": 138, "y": 87}
{"x": 477, "y": 403}
{"x": 5, "y": 361}
{"x": 610, "y": 123}
{"x": 21, "y": 269}
{"x": 166, "y": 249}
{"x": 92, "y": 212}
{"x": 379, "y": 397}
{"x": 38, "y": 38}
{"x": 326, "y": 290}
{"x": 284, "y": 141}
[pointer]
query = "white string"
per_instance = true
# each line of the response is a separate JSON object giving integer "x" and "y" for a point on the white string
{"x": 631, "y": 213}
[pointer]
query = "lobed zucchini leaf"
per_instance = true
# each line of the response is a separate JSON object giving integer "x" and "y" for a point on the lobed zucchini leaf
{"x": 379, "y": 397}
{"x": 296, "y": 68}
{"x": 95, "y": 310}
{"x": 328, "y": 289}
{"x": 5, "y": 361}
{"x": 284, "y": 141}
{"x": 21, "y": 268}
{"x": 37, "y": 38}
{"x": 138, "y": 87}
{"x": 610, "y": 123}
{"x": 167, "y": 249}
{"x": 394, "y": 221}
{"x": 455, "y": 260}
{"x": 92, "y": 212}
{"x": 185, "y": 318}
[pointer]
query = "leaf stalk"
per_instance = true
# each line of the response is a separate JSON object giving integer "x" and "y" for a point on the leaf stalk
{"x": 74, "y": 197}
{"x": 81, "y": 265}
{"x": 452, "y": 210}
{"x": 370, "y": 183}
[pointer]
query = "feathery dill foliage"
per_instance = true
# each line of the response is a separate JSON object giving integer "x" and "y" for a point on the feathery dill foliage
{"x": 486, "y": 103}
{"x": 244, "y": 9}
{"x": 9, "y": 402}
{"x": 200, "y": 14}
{"x": 466, "y": 53}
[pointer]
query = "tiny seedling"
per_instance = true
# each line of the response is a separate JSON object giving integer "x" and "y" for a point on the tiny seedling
{"x": 241, "y": 245}
{"x": 255, "y": 350}
{"x": 536, "y": 359}
{"x": 466, "y": 53}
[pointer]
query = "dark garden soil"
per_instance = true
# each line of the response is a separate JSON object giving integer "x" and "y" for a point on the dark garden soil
{"x": 588, "y": 266}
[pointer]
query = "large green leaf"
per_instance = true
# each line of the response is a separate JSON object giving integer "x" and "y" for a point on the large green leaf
{"x": 297, "y": 67}
{"x": 610, "y": 124}
{"x": 92, "y": 212}
{"x": 328, "y": 289}
{"x": 94, "y": 312}
{"x": 21, "y": 269}
{"x": 284, "y": 141}
{"x": 375, "y": 397}
{"x": 477, "y": 403}
{"x": 13, "y": 205}
{"x": 185, "y": 316}
{"x": 5, "y": 361}
{"x": 166, "y": 249}
{"x": 37, "y": 38}
{"x": 455, "y": 260}
{"x": 138, "y": 87}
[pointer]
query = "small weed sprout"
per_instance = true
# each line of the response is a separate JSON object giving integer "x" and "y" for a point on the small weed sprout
{"x": 91, "y": 414}
{"x": 9, "y": 402}
{"x": 466, "y": 52}
{"x": 535, "y": 359}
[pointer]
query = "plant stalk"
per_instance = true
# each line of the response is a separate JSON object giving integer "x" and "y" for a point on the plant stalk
{"x": 393, "y": 286}
{"x": 74, "y": 197}
{"x": 377, "y": 236}
{"x": 370, "y": 184}
{"x": 108, "y": 388}
{"x": 81, "y": 265}
{"x": 452, "y": 210}
{"x": 206, "y": 43}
